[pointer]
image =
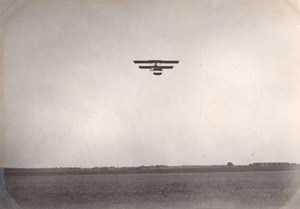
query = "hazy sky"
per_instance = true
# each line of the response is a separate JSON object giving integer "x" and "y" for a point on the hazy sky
{"x": 73, "y": 97}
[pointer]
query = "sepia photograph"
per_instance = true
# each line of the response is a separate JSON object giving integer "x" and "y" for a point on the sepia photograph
{"x": 149, "y": 104}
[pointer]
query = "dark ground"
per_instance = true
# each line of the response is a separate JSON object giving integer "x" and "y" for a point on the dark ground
{"x": 204, "y": 190}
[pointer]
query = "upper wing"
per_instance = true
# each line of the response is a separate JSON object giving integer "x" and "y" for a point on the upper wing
{"x": 169, "y": 61}
{"x": 156, "y": 61}
{"x": 143, "y": 61}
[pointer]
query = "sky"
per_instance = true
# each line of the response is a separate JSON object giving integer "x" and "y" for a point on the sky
{"x": 72, "y": 96}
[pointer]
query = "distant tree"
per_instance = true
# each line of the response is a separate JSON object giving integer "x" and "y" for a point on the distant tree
{"x": 229, "y": 164}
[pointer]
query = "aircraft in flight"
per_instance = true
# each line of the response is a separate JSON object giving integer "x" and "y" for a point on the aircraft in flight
{"x": 155, "y": 65}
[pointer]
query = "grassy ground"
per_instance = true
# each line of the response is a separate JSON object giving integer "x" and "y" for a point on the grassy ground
{"x": 234, "y": 190}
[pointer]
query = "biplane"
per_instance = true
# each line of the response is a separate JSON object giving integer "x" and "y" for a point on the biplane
{"x": 155, "y": 65}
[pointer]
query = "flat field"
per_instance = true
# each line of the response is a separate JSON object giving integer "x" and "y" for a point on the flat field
{"x": 222, "y": 190}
